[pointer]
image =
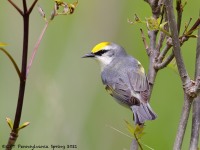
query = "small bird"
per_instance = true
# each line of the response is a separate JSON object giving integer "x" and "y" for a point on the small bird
{"x": 124, "y": 79}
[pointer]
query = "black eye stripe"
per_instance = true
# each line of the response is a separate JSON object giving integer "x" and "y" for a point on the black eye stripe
{"x": 101, "y": 52}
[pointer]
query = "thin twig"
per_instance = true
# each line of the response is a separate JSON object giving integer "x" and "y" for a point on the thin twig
{"x": 179, "y": 10}
{"x": 16, "y": 7}
{"x": 164, "y": 52}
{"x": 12, "y": 60}
{"x": 140, "y": 146}
{"x": 160, "y": 41}
{"x": 145, "y": 42}
{"x": 36, "y": 48}
{"x": 162, "y": 64}
{"x": 165, "y": 62}
{"x": 186, "y": 26}
{"x": 162, "y": 34}
{"x": 194, "y": 27}
{"x": 32, "y": 6}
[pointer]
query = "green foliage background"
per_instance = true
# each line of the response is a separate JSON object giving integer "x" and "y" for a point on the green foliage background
{"x": 65, "y": 100}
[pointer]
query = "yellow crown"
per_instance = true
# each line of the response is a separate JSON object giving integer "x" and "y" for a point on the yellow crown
{"x": 100, "y": 46}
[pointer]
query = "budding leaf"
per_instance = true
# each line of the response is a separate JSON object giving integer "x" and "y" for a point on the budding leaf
{"x": 139, "y": 131}
{"x": 161, "y": 28}
{"x": 162, "y": 25}
{"x": 25, "y": 124}
{"x": 10, "y": 123}
{"x": 152, "y": 23}
{"x": 131, "y": 129}
{"x": 136, "y": 131}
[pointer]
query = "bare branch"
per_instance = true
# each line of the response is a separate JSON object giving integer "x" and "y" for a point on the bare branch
{"x": 25, "y": 6}
{"x": 145, "y": 43}
{"x": 196, "y": 105}
{"x": 195, "y": 124}
{"x": 176, "y": 44}
{"x": 16, "y": 7}
{"x": 160, "y": 41}
{"x": 194, "y": 27}
{"x": 186, "y": 26}
{"x": 164, "y": 52}
{"x": 32, "y": 6}
{"x": 36, "y": 48}
{"x": 160, "y": 64}
{"x": 162, "y": 34}
{"x": 183, "y": 75}
{"x": 152, "y": 72}
{"x": 179, "y": 10}
{"x": 166, "y": 61}
{"x": 183, "y": 122}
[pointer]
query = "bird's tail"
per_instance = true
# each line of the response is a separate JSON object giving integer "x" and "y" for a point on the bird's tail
{"x": 142, "y": 113}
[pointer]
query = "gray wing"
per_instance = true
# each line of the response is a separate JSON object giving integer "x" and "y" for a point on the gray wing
{"x": 122, "y": 88}
{"x": 139, "y": 83}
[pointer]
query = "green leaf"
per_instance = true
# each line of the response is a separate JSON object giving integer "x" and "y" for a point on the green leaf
{"x": 162, "y": 25}
{"x": 139, "y": 131}
{"x": 131, "y": 128}
{"x": 161, "y": 28}
{"x": 10, "y": 123}
{"x": 136, "y": 131}
{"x": 25, "y": 124}
{"x": 152, "y": 23}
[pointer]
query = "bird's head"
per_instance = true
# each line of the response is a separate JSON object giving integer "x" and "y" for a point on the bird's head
{"x": 105, "y": 52}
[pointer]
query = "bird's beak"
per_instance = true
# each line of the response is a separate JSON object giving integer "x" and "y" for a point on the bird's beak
{"x": 88, "y": 55}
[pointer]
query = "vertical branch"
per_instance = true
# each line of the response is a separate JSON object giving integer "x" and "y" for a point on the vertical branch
{"x": 183, "y": 75}
{"x": 14, "y": 133}
{"x": 25, "y": 14}
{"x": 23, "y": 72}
{"x": 153, "y": 52}
{"x": 152, "y": 72}
{"x": 183, "y": 123}
{"x": 179, "y": 14}
{"x": 24, "y": 6}
{"x": 196, "y": 105}
{"x": 176, "y": 44}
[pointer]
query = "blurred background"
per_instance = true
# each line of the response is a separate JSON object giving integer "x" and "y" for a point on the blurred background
{"x": 65, "y": 101}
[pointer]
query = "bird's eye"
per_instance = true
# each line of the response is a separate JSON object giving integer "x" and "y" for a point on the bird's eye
{"x": 101, "y": 52}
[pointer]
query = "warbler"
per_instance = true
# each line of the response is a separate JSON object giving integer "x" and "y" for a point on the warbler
{"x": 124, "y": 79}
